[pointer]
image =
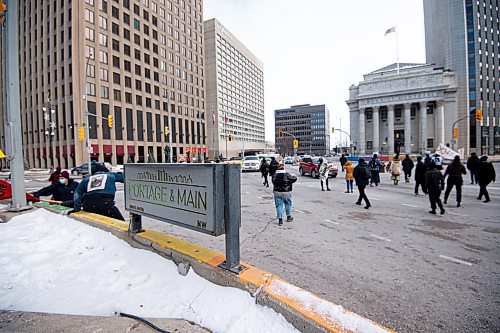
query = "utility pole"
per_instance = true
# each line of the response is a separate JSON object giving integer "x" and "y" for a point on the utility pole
{"x": 14, "y": 139}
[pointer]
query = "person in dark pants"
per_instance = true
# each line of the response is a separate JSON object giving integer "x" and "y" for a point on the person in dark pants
{"x": 407, "y": 167}
{"x": 485, "y": 175}
{"x": 434, "y": 182}
{"x": 342, "y": 161}
{"x": 96, "y": 194}
{"x": 375, "y": 166}
{"x": 472, "y": 163}
{"x": 63, "y": 190}
{"x": 420, "y": 171}
{"x": 454, "y": 171}
{"x": 273, "y": 166}
{"x": 264, "y": 170}
{"x": 362, "y": 176}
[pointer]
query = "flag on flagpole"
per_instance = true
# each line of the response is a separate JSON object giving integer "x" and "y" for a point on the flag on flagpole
{"x": 388, "y": 31}
{"x": 213, "y": 117}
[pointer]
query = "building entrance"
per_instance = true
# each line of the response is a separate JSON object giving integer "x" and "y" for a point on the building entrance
{"x": 399, "y": 140}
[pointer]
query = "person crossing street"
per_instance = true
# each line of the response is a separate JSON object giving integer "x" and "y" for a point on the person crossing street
{"x": 362, "y": 176}
{"x": 434, "y": 182}
{"x": 454, "y": 171}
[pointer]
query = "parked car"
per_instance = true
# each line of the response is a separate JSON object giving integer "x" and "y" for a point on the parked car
{"x": 250, "y": 163}
{"x": 309, "y": 165}
{"x": 84, "y": 169}
{"x": 235, "y": 160}
{"x": 289, "y": 160}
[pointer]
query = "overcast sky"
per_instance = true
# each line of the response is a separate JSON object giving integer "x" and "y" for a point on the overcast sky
{"x": 314, "y": 50}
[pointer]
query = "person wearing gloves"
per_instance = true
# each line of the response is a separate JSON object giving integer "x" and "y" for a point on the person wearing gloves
{"x": 96, "y": 194}
{"x": 62, "y": 190}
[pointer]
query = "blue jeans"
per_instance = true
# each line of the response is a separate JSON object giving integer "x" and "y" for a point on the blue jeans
{"x": 349, "y": 184}
{"x": 281, "y": 198}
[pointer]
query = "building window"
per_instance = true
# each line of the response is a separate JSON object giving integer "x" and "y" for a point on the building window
{"x": 397, "y": 113}
{"x": 369, "y": 115}
{"x": 89, "y": 34}
{"x": 103, "y": 57}
{"x": 128, "y": 82}
{"x": 104, "y": 92}
{"x": 89, "y": 16}
{"x": 115, "y": 45}
{"x": 430, "y": 109}
{"x": 430, "y": 143}
{"x": 117, "y": 95}
{"x": 90, "y": 89}
{"x": 115, "y": 29}
{"x": 103, "y": 5}
{"x": 103, "y": 23}
{"x": 116, "y": 78}
{"x": 369, "y": 145}
{"x": 90, "y": 70}
{"x": 137, "y": 25}
{"x": 103, "y": 40}
{"x": 103, "y": 74}
{"x": 115, "y": 12}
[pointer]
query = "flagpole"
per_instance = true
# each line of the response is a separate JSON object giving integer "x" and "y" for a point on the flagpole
{"x": 397, "y": 51}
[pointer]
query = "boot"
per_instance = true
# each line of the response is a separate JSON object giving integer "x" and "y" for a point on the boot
{"x": 280, "y": 221}
{"x": 289, "y": 218}
{"x": 458, "y": 204}
{"x": 432, "y": 212}
{"x": 442, "y": 211}
{"x": 328, "y": 189}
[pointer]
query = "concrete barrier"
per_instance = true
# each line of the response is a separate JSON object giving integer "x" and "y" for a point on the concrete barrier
{"x": 304, "y": 310}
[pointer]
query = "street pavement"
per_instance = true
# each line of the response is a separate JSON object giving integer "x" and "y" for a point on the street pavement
{"x": 394, "y": 263}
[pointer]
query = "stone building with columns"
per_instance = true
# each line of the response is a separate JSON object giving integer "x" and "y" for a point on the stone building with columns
{"x": 410, "y": 110}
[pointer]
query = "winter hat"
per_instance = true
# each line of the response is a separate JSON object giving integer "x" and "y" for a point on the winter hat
{"x": 432, "y": 165}
{"x": 361, "y": 160}
{"x": 58, "y": 168}
{"x": 64, "y": 174}
{"x": 483, "y": 158}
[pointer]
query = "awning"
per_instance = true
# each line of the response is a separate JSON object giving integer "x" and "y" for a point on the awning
{"x": 120, "y": 150}
{"x": 108, "y": 149}
{"x": 131, "y": 150}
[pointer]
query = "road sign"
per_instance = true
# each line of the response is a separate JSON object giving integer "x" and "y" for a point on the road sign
{"x": 295, "y": 143}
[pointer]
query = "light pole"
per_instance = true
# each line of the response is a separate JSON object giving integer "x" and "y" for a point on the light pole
{"x": 340, "y": 135}
{"x": 48, "y": 111}
{"x": 89, "y": 146}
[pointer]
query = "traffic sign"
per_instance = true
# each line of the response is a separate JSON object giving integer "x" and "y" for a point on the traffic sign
{"x": 90, "y": 150}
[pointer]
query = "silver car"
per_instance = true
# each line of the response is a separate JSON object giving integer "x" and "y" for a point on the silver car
{"x": 250, "y": 163}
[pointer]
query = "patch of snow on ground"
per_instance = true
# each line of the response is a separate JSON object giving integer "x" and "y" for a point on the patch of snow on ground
{"x": 51, "y": 263}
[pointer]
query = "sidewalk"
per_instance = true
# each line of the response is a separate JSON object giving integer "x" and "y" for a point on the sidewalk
{"x": 27, "y": 322}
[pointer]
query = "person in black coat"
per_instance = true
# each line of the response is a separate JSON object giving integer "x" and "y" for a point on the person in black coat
{"x": 362, "y": 176}
{"x": 342, "y": 161}
{"x": 472, "y": 164}
{"x": 407, "y": 167}
{"x": 434, "y": 182}
{"x": 485, "y": 174}
{"x": 62, "y": 190}
{"x": 454, "y": 171}
{"x": 420, "y": 171}
{"x": 282, "y": 190}
{"x": 264, "y": 170}
{"x": 273, "y": 166}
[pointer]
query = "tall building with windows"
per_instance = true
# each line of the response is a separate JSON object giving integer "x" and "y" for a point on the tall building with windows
{"x": 235, "y": 94}
{"x": 309, "y": 124}
{"x": 464, "y": 36}
{"x": 139, "y": 61}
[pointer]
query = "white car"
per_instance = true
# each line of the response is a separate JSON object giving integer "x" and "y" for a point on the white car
{"x": 250, "y": 163}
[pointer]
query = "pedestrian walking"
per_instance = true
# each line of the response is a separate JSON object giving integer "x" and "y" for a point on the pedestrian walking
{"x": 282, "y": 190}
{"x": 349, "y": 176}
{"x": 454, "y": 171}
{"x": 324, "y": 174}
{"x": 395, "y": 169}
{"x": 54, "y": 176}
{"x": 63, "y": 190}
{"x": 362, "y": 176}
{"x": 472, "y": 163}
{"x": 420, "y": 171}
{"x": 342, "y": 161}
{"x": 436, "y": 158}
{"x": 273, "y": 166}
{"x": 427, "y": 160}
{"x": 375, "y": 166}
{"x": 96, "y": 193}
{"x": 264, "y": 170}
{"x": 434, "y": 183}
{"x": 407, "y": 167}
{"x": 485, "y": 175}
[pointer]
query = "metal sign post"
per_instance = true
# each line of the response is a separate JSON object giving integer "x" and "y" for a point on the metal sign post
{"x": 201, "y": 197}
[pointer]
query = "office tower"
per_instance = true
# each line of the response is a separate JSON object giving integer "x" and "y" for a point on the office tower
{"x": 463, "y": 36}
{"x": 309, "y": 124}
{"x": 235, "y": 95}
{"x": 138, "y": 61}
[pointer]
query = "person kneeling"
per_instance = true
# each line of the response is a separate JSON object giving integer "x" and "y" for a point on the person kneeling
{"x": 62, "y": 190}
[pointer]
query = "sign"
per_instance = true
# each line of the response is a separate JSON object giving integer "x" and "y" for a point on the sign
{"x": 188, "y": 195}
{"x": 446, "y": 152}
{"x": 295, "y": 143}
{"x": 90, "y": 150}
{"x": 2, "y": 155}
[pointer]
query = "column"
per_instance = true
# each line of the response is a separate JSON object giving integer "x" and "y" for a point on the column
{"x": 407, "y": 128}
{"x": 439, "y": 136}
{"x": 362, "y": 139}
{"x": 423, "y": 126}
{"x": 376, "y": 129}
{"x": 390, "y": 129}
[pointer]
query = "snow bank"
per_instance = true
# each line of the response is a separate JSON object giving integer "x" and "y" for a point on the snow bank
{"x": 51, "y": 263}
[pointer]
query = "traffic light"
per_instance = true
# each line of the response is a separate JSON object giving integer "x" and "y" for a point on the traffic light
{"x": 280, "y": 133}
{"x": 230, "y": 137}
{"x": 81, "y": 133}
{"x": 166, "y": 130}
{"x": 110, "y": 121}
{"x": 3, "y": 7}
{"x": 479, "y": 115}
{"x": 455, "y": 133}
{"x": 295, "y": 143}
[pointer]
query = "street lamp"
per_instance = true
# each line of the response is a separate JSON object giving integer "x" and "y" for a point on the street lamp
{"x": 48, "y": 111}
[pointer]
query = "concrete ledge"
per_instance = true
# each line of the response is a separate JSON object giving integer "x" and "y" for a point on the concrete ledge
{"x": 304, "y": 310}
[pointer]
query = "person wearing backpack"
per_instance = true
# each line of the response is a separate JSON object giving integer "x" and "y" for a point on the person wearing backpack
{"x": 434, "y": 183}
{"x": 362, "y": 176}
{"x": 375, "y": 166}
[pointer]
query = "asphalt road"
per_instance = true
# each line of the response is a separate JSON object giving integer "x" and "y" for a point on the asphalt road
{"x": 394, "y": 263}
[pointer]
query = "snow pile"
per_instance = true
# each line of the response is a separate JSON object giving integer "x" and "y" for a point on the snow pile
{"x": 329, "y": 311}
{"x": 51, "y": 263}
